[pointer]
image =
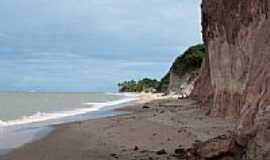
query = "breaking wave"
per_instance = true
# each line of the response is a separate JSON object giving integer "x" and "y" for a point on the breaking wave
{"x": 40, "y": 117}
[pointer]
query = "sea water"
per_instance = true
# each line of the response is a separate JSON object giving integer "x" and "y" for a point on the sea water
{"x": 25, "y": 116}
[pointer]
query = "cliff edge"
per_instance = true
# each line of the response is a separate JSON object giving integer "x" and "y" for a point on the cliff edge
{"x": 184, "y": 72}
{"x": 235, "y": 77}
{"x": 185, "y": 69}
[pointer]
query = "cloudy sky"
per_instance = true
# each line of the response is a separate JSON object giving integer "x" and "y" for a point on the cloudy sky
{"x": 90, "y": 45}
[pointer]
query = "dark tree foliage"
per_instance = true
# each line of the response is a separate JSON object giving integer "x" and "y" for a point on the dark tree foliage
{"x": 191, "y": 60}
{"x": 144, "y": 85}
{"x": 164, "y": 83}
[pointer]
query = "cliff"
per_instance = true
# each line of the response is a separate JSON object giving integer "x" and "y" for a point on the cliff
{"x": 184, "y": 71}
{"x": 235, "y": 77}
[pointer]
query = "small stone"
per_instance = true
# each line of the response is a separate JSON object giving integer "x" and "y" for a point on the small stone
{"x": 145, "y": 107}
{"x": 162, "y": 111}
{"x": 114, "y": 155}
{"x": 197, "y": 141}
{"x": 179, "y": 151}
{"x": 136, "y": 148}
{"x": 161, "y": 152}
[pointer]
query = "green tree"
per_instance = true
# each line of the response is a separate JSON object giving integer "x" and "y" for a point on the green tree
{"x": 190, "y": 61}
{"x": 145, "y": 84}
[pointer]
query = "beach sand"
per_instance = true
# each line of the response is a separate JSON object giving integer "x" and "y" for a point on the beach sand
{"x": 154, "y": 130}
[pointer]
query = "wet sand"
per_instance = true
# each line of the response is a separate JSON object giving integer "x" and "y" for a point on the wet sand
{"x": 160, "y": 129}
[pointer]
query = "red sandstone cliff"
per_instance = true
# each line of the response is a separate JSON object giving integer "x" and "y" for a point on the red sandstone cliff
{"x": 236, "y": 75}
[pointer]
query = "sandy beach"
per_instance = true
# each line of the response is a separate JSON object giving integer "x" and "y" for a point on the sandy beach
{"x": 160, "y": 129}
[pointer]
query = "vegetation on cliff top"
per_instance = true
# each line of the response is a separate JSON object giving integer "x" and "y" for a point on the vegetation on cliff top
{"x": 189, "y": 61}
{"x": 144, "y": 85}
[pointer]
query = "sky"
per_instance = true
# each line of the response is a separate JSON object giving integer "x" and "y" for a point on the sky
{"x": 91, "y": 45}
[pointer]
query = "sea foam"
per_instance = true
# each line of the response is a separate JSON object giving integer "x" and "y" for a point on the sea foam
{"x": 40, "y": 117}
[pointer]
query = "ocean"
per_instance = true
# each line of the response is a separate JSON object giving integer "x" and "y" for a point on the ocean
{"x": 27, "y": 116}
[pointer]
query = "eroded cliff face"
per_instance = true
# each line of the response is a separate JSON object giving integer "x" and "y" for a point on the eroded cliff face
{"x": 235, "y": 76}
{"x": 182, "y": 83}
{"x": 184, "y": 71}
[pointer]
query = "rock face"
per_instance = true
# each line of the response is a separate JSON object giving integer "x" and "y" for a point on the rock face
{"x": 235, "y": 76}
{"x": 182, "y": 83}
{"x": 184, "y": 71}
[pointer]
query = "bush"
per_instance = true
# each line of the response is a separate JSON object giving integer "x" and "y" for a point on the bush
{"x": 144, "y": 85}
{"x": 191, "y": 60}
{"x": 164, "y": 83}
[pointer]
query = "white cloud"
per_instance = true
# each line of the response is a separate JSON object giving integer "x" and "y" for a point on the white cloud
{"x": 92, "y": 41}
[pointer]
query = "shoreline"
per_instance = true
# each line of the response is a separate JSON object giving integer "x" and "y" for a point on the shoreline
{"x": 83, "y": 108}
{"x": 32, "y": 132}
{"x": 163, "y": 125}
